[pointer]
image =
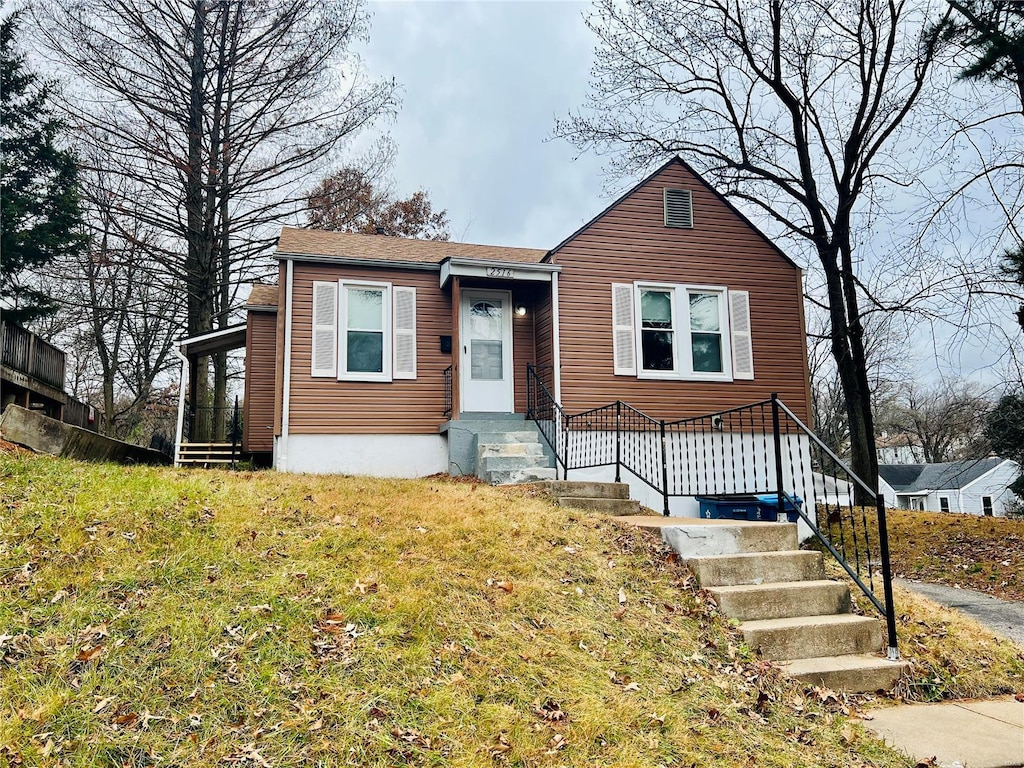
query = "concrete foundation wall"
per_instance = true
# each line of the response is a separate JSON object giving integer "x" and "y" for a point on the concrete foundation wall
{"x": 45, "y": 435}
{"x": 374, "y": 455}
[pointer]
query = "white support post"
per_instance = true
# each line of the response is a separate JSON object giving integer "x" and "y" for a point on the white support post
{"x": 281, "y": 459}
{"x": 556, "y": 356}
{"x": 179, "y": 437}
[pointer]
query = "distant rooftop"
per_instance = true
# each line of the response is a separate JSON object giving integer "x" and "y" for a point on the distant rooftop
{"x": 915, "y": 478}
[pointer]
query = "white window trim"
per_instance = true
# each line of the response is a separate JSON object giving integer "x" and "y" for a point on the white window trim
{"x": 683, "y": 358}
{"x": 387, "y": 329}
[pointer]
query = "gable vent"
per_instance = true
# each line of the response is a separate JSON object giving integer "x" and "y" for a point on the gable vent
{"x": 678, "y": 208}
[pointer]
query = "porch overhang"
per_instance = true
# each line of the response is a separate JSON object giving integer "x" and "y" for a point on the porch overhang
{"x": 488, "y": 269}
{"x": 224, "y": 340}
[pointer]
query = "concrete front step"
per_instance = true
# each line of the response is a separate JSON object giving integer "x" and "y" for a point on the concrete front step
{"x": 523, "y": 475}
{"x": 804, "y": 637}
{"x": 509, "y": 449}
{"x": 782, "y": 600}
{"x": 700, "y": 538}
{"x": 490, "y": 464}
{"x": 511, "y": 436}
{"x": 856, "y": 673}
{"x": 757, "y": 568}
{"x": 608, "y": 506}
{"x": 584, "y": 489}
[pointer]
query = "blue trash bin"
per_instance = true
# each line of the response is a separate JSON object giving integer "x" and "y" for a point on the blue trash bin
{"x": 769, "y": 502}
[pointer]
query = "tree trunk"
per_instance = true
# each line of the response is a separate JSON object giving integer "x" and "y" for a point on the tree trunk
{"x": 197, "y": 261}
{"x": 848, "y": 352}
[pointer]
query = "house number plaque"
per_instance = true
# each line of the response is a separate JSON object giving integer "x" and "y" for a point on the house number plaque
{"x": 500, "y": 272}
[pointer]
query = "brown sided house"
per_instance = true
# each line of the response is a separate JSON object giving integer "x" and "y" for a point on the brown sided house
{"x": 391, "y": 356}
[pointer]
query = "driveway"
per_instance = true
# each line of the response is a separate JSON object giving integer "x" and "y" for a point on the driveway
{"x": 1004, "y": 617}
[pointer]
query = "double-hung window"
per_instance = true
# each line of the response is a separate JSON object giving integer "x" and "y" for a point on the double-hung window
{"x": 363, "y": 331}
{"x": 657, "y": 330}
{"x": 707, "y": 344}
{"x": 364, "y": 345}
{"x": 669, "y": 331}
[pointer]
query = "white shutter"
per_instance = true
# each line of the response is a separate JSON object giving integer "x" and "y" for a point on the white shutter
{"x": 405, "y": 333}
{"x": 742, "y": 345}
{"x": 623, "y": 336}
{"x": 325, "y": 329}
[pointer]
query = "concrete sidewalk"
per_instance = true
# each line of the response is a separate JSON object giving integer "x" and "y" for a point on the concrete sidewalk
{"x": 986, "y": 733}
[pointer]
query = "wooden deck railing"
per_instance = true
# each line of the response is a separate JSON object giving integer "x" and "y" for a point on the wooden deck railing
{"x": 24, "y": 351}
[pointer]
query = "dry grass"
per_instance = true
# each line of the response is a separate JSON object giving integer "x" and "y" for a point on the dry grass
{"x": 982, "y": 553}
{"x": 952, "y": 656}
{"x": 160, "y": 617}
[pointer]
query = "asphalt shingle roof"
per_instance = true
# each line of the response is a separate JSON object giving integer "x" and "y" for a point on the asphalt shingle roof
{"x": 263, "y": 296}
{"x": 913, "y": 478}
{"x": 315, "y": 242}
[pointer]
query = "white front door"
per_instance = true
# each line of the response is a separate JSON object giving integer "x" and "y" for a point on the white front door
{"x": 485, "y": 334}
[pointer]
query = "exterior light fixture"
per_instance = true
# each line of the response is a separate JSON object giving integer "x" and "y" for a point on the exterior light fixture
{"x": 521, "y": 311}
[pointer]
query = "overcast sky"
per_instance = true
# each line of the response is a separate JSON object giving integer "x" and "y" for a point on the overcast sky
{"x": 481, "y": 85}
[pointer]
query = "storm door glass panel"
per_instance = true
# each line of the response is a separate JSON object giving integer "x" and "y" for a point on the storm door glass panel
{"x": 364, "y": 330}
{"x": 657, "y": 335}
{"x": 706, "y": 332}
{"x": 485, "y": 360}
{"x": 486, "y": 351}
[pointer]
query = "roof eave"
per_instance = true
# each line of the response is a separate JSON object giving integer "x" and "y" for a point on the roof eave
{"x": 360, "y": 261}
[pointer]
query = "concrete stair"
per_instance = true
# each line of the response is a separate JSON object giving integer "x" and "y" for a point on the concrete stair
{"x": 511, "y": 455}
{"x": 609, "y": 498}
{"x": 787, "y": 610}
{"x": 782, "y": 600}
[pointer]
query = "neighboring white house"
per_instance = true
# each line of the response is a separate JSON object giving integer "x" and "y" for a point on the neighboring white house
{"x": 976, "y": 487}
{"x": 898, "y": 449}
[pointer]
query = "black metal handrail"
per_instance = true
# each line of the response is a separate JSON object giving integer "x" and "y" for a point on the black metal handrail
{"x": 843, "y": 523}
{"x": 448, "y": 391}
{"x": 761, "y": 448}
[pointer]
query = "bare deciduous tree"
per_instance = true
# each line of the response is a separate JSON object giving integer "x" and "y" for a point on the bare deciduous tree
{"x": 115, "y": 304}
{"x": 220, "y": 111}
{"x": 940, "y": 422}
{"x": 791, "y": 107}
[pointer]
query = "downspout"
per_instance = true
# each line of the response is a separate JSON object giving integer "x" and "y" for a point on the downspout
{"x": 179, "y": 437}
{"x": 282, "y": 454}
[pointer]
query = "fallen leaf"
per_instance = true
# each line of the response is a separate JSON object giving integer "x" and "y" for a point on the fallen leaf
{"x": 500, "y": 746}
{"x": 126, "y": 719}
{"x": 89, "y": 654}
{"x": 556, "y": 744}
{"x": 551, "y": 711}
{"x": 365, "y": 587}
{"x": 505, "y": 585}
{"x": 103, "y": 704}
